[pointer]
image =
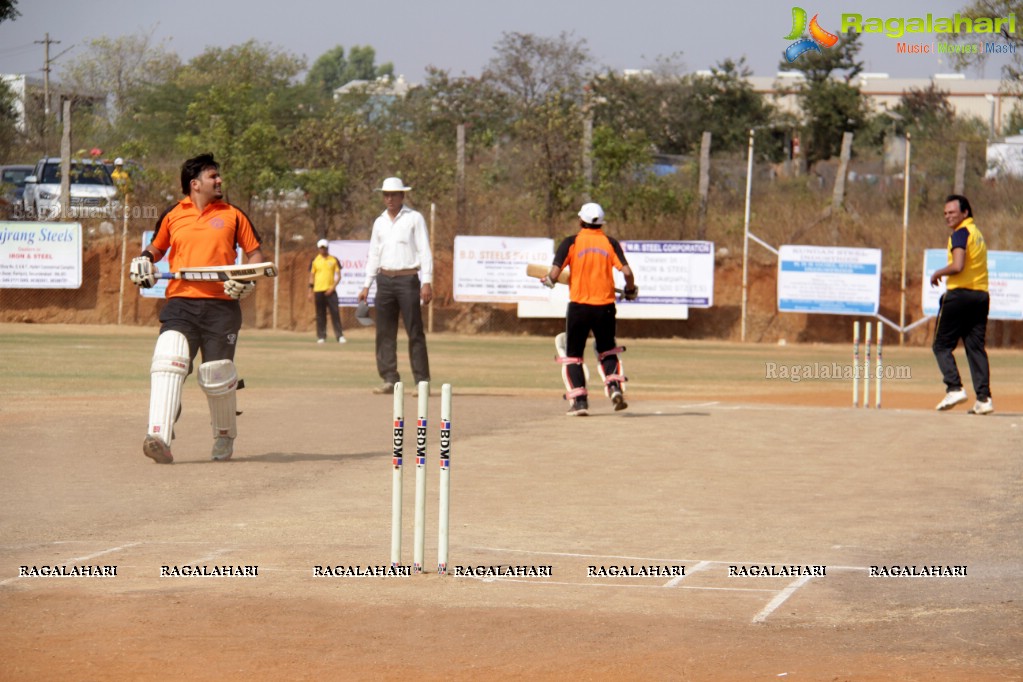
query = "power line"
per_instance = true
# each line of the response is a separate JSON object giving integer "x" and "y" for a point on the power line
{"x": 16, "y": 50}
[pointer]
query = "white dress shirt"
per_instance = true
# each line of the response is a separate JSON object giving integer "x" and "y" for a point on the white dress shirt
{"x": 400, "y": 244}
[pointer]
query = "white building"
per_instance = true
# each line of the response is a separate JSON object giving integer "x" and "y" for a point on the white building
{"x": 981, "y": 98}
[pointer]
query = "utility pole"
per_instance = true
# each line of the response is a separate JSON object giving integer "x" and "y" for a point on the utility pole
{"x": 46, "y": 72}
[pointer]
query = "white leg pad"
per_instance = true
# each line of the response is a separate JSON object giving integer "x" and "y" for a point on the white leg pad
{"x": 562, "y": 359}
{"x": 167, "y": 374}
{"x": 219, "y": 381}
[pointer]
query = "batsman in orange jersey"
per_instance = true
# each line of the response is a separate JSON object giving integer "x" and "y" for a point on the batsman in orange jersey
{"x": 592, "y": 257}
{"x": 201, "y": 230}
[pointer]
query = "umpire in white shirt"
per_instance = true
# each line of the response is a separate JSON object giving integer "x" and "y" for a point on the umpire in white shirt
{"x": 401, "y": 260}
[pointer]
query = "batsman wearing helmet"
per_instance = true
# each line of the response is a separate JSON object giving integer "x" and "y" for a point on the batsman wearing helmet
{"x": 200, "y": 230}
{"x": 592, "y": 256}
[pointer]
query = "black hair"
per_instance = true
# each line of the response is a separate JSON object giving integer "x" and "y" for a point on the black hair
{"x": 193, "y": 168}
{"x": 964, "y": 203}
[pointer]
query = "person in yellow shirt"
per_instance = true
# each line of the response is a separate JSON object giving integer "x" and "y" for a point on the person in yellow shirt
{"x": 120, "y": 177}
{"x": 324, "y": 276}
{"x": 964, "y": 307}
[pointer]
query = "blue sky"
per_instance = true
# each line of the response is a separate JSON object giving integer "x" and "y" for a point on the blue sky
{"x": 459, "y": 35}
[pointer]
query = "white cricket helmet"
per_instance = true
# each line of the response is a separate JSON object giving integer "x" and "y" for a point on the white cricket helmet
{"x": 592, "y": 213}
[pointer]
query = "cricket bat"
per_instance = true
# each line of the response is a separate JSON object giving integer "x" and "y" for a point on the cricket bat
{"x": 222, "y": 273}
{"x": 540, "y": 271}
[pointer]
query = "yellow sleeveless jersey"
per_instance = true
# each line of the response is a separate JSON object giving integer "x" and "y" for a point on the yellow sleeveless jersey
{"x": 974, "y": 273}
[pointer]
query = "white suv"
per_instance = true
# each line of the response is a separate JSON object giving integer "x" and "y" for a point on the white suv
{"x": 93, "y": 194}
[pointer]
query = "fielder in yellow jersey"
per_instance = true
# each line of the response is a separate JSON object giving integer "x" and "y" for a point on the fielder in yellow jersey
{"x": 963, "y": 311}
{"x": 324, "y": 276}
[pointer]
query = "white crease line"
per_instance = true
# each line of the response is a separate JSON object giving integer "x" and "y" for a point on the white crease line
{"x": 662, "y": 560}
{"x": 77, "y": 559}
{"x": 105, "y": 551}
{"x": 780, "y": 598}
{"x": 674, "y": 582}
{"x": 497, "y": 579}
{"x": 581, "y": 556}
{"x": 209, "y": 557}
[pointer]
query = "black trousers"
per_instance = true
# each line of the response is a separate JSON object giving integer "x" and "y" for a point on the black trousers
{"x": 210, "y": 325}
{"x": 580, "y": 320}
{"x": 963, "y": 315}
{"x": 327, "y": 303}
{"x": 399, "y": 297}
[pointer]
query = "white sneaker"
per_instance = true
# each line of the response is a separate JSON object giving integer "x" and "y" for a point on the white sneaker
{"x": 951, "y": 399}
{"x": 223, "y": 448}
{"x": 342, "y": 340}
{"x": 982, "y": 407}
{"x": 321, "y": 340}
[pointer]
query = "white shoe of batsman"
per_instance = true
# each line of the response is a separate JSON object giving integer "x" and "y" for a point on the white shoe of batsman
{"x": 223, "y": 448}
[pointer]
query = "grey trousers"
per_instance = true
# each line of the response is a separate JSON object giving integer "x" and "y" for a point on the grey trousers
{"x": 399, "y": 297}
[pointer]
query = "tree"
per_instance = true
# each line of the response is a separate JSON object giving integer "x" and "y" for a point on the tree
{"x": 543, "y": 81}
{"x": 338, "y": 153}
{"x": 8, "y": 120}
{"x": 123, "y": 67}
{"x": 936, "y": 133}
{"x": 433, "y": 111}
{"x": 332, "y": 70}
{"x": 533, "y": 69}
{"x": 830, "y": 105}
{"x": 674, "y": 110}
{"x": 655, "y": 104}
{"x": 924, "y": 111}
{"x": 1012, "y": 72}
{"x": 625, "y": 180}
{"x": 240, "y": 107}
{"x": 8, "y": 10}
{"x": 1014, "y": 125}
{"x": 726, "y": 105}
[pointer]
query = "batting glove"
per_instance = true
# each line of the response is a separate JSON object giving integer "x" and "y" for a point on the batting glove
{"x": 141, "y": 272}
{"x": 238, "y": 290}
{"x": 546, "y": 281}
{"x": 630, "y": 294}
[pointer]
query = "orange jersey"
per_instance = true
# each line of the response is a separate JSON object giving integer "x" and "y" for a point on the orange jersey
{"x": 199, "y": 240}
{"x": 592, "y": 257}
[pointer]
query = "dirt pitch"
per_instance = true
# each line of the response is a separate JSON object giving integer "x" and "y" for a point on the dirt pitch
{"x": 715, "y": 464}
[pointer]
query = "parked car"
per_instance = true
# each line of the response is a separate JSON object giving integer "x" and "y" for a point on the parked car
{"x": 93, "y": 194}
{"x": 12, "y": 186}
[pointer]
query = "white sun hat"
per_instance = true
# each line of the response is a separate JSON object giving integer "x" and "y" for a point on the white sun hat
{"x": 394, "y": 185}
{"x": 592, "y": 214}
